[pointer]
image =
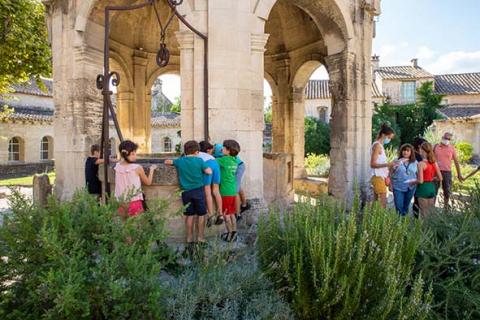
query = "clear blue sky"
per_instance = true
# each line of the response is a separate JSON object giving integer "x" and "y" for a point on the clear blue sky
{"x": 443, "y": 34}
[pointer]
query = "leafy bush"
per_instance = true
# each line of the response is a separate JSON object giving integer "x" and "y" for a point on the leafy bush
{"x": 465, "y": 151}
{"x": 73, "y": 261}
{"x": 317, "y": 165}
{"x": 449, "y": 258}
{"x": 331, "y": 264}
{"x": 411, "y": 120}
{"x": 317, "y": 136}
{"x": 222, "y": 289}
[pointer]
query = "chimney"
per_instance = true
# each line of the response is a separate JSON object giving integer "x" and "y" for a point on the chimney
{"x": 375, "y": 62}
{"x": 414, "y": 62}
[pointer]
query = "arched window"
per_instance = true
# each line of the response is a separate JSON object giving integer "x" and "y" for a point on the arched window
{"x": 15, "y": 152}
{"x": 167, "y": 144}
{"x": 46, "y": 148}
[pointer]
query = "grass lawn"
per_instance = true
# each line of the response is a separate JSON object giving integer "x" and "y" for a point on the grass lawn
{"x": 24, "y": 181}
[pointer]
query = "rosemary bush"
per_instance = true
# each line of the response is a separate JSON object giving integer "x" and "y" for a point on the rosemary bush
{"x": 217, "y": 288}
{"x": 449, "y": 258}
{"x": 331, "y": 264}
{"x": 72, "y": 261}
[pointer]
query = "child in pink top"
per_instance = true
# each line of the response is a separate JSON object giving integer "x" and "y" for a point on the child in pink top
{"x": 128, "y": 179}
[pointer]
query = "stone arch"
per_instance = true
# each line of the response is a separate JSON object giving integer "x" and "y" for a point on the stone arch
{"x": 86, "y": 6}
{"x": 272, "y": 82}
{"x": 118, "y": 64}
{"x": 16, "y": 149}
{"x": 304, "y": 72}
{"x": 170, "y": 69}
{"x": 331, "y": 18}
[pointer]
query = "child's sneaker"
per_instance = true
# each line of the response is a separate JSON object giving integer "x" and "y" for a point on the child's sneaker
{"x": 244, "y": 208}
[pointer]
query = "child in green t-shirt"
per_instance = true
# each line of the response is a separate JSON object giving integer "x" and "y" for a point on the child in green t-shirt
{"x": 190, "y": 175}
{"x": 228, "y": 187}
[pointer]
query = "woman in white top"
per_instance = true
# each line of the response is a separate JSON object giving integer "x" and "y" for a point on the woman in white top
{"x": 380, "y": 165}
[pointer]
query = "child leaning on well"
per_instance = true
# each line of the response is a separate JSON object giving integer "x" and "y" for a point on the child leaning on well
{"x": 190, "y": 170}
{"x": 228, "y": 187}
{"x": 129, "y": 177}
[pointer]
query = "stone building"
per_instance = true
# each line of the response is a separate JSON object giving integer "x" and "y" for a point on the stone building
{"x": 27, "y": 136}
{"x": 462, "y": 107}
{"x": 283, "y": 41}
{"x": 318, "y": 99}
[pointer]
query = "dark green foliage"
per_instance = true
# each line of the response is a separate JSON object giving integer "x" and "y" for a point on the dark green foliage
{"x": 217, "y": 289}
{"x": 449, "y": 258}
{"x": 331, "y": 264}
{"x": 24, "y": 48}
{"x": 317, "y": 136}
{"x": 411, "y": 120}
{"x": 72, "y": 261}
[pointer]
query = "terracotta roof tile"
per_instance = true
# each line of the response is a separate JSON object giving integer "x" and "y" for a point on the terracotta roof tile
{"x": 319, "y": 89}
{"x": 460, "y": 112}
{"x": 402, "y": 72}
{"x": 463, "y": 83}
{"x": 31, "y": 87}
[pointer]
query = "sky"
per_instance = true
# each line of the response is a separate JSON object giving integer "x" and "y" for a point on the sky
{"x": 443, "y": 34}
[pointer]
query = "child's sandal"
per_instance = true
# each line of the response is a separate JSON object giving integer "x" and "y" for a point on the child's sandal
{"x": 219, "y": 220}
{"x": 233, "y": 236}
{"x": 225, "y": 236}
{"x": 210, "y": 221}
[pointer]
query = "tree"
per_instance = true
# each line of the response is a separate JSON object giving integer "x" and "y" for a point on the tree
{"x": 24, "y": 48}
{"x": 317, "y": 136}
{"x": 176, "y": 106}
{"x": 267, "y": 113}
{"x": 411, "y": 120}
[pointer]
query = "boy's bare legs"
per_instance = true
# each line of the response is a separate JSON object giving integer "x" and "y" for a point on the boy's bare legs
{"x": 243, "y": 198}
{"x": 201, "y": 229}
{"x": 218, "y": 197}
{"x": 189, "y": 221}
{"x": 209, "y": 201}
{"x": 228, "y": 222}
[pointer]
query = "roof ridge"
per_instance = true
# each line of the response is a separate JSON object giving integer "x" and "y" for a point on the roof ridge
{"x": 457, "y": 74}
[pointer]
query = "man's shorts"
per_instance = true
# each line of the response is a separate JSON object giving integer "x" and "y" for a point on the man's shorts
{"x": 447, "y": 183}
{"x": 214, "y": 178}
{"x": 229, "y": 204}
{"x": 239, "y": 175}
{"x": 194, "y": 200}
{"x": 379, "y": 185}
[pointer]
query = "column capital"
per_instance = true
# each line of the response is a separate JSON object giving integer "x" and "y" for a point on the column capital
{"x": 186, "y": 39}
{"x": 140, "y": 57}
{"x": 258, "y": 41}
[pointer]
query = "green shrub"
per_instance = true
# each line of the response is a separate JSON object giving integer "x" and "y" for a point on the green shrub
{"x": 317, "y": 136}
{"x": 449, "y": 258}
{"x": 465, "y": 151}
{"x": 217, "y": 288}
{"x": 72, "y": 261}
{"x": 331, "y": 264}
{"x": 317, "y": 165}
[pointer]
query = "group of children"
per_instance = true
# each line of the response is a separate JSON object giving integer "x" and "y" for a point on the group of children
{"x": 210, "y": 178}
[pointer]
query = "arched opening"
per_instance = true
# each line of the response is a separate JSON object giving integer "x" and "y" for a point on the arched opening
{"x": 16, "y": 149}
{"x": 267, "y": 116}
{"x": 46, "y": 148}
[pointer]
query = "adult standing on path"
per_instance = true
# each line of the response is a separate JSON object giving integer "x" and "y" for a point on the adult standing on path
{"x": 380, "y": 165}
{"x": 445, "y": 153}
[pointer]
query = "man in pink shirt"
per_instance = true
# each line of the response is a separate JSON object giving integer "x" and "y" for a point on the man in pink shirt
{"x": 445, "y": 153}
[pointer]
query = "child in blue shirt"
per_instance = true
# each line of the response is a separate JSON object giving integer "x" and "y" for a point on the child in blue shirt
{"x": 190, "y": 170}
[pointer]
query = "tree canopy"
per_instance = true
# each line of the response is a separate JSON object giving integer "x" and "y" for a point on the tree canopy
{"x": 24, "y": 47}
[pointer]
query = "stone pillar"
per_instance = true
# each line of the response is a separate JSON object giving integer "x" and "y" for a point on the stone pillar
{"x": 280, "y": 110}
{"x": 298, "y": 141}
{"x": 236, "y": 85}
{"x": 78, "y": 103}
{"x": 141, "y": 115}
{"x": 350, "y": 124}
{"x": 125, "y": 108}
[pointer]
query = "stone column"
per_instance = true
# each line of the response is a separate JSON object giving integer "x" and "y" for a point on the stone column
{"x": 141, "y": 115}
{"x": 236, "y": 85}
{"x": 125, "y": 108}
{"x": 280, "y": 110}
{"x": 350, "y": 125}
{"x": 298, "y": 141}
